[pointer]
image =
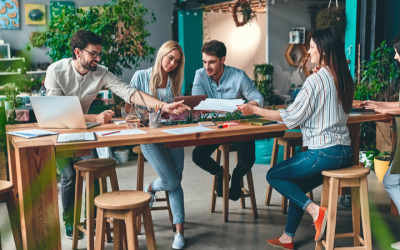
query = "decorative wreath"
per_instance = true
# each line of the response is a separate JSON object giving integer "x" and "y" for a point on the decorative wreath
{"x": 246, "y": 11}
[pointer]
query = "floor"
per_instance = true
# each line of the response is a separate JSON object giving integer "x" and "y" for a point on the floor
{"x": 207, "y": 231}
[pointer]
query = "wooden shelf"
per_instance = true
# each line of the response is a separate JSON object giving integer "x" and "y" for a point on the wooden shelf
{"x": 36, "y": 72}
{"x": 13, "y": 59}
{"x": 10, "y": 73}
{"x": 298, "y": 50}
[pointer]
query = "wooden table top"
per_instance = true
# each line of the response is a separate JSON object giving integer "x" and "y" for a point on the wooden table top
{"x": 155, "y": 135}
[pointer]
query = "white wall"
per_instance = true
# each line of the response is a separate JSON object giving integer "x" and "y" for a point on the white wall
{"x": 282, "y": 16}
{"x": 245, "y": 45}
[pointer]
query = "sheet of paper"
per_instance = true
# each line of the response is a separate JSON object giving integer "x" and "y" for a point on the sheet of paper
{"x": 228, "y": 105}
{"x": 32, "y": 133}
{"x": 119, "y": 122}
{"x": 76, "y": 137}
{"x": 121, "y": 132}
{"x": 187, "y": 130}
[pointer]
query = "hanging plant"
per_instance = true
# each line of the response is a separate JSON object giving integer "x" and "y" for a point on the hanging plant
{"x": 334, "y": 18}
{"x": 36, "y": 39}
{"x": 243, "y": 7}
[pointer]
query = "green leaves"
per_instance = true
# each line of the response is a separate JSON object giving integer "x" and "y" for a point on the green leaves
{"x": 121, "y": 24}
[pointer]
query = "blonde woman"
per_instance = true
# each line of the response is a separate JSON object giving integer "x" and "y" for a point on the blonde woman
{"x": 164, "y": 81}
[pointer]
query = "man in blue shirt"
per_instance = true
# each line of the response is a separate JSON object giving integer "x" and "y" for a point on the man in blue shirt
{"x": 216, "y": 80}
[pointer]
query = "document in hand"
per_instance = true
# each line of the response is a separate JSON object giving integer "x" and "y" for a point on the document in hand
{"x": 227, "y": 105}
{"x": 74, "y": 137}
{"x": 32, "y": 133}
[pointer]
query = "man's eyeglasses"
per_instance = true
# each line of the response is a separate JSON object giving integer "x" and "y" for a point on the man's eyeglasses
{"x": 94, "y": 54}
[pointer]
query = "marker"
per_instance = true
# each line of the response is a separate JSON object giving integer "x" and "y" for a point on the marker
{"x": 111, "y": 133}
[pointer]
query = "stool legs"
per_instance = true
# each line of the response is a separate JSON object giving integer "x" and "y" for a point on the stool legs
{"x": 77, "y": 208}
{"x": 100, "y": 229}
{"x": 14, "y": 220}
{"x": 332, "y": 213}
{"x": 214, "y": 185}
{"x": 252, "y": 194}
{"x": 356, "y": 213}
{"x": 149, "y": 229}
{"x": 324, "y": 203}
{"x": 225, "y": 154}
{"x": 90, "y": 210}
{"x": 103, "y": 189}
{"x": 365, "y": 212}
{"x": 132, "y": 241}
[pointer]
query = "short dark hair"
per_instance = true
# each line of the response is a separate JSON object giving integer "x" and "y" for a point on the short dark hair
{"x": 396, "y": 43}
{"x": 214, "y": 48}
{"x": 82, "y": 38}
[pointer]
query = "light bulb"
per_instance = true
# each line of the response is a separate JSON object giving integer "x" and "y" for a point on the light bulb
{"x": 195, "y": 13}
{"x": 230, "y": 8}
{"x": 259, "y": 4}
{"x": 273, "y": 2}
{"x": 220, "y": 9}
{"x": 212, "y": 10}
{"x": 187, "y": 13}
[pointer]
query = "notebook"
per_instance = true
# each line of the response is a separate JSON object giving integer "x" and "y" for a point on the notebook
{"x": 76, "y": 137}
{"x": 258, "y": 121}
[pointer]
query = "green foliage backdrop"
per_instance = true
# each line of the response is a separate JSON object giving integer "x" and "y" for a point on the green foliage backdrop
{"x": 121, "y": 24}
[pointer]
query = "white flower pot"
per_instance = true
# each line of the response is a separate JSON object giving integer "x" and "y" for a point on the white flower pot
{"x": 122, "y": 155}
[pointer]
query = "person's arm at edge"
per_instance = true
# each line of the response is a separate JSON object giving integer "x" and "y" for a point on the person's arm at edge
{"x": 385, "y": 105}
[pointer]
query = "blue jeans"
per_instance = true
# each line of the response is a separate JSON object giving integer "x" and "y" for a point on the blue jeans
{"x": 168, "y": 162}
{"x": 68, "y": 179}
{"x": 391, "y": 182}
{"x": 295, "y": 177}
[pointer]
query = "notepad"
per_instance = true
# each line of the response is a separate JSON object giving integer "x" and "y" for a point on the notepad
{"x": 257, "y": 121}
{"x": 187, "y": 130}
{"x": 32, "y": 133}
{"x": 76, "y": 137}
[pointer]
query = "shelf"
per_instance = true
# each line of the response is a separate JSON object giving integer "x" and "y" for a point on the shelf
{"x": 13, "y": 59}
{"x": 10, "y": 73}
{"x": 36, "y": 72}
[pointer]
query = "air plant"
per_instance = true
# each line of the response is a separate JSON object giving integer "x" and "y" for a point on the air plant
{"x": 189, "y": 118}
{"x": 202, "y": 118}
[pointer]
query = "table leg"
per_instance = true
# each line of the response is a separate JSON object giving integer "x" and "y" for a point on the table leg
{"x": 37, "y": 192}
{"x": 12, "y": 169}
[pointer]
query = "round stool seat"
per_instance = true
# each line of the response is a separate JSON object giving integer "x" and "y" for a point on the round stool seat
{"x": 137, "y": 150}
{"x": 94, "y": 164}
{"x": 5, "y": 186}
{"x": 347, "y": 173}
{"x": 291, "y": 136}
{"x": 122, "y": 200}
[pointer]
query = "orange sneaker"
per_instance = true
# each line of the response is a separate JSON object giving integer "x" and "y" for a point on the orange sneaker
{"x": 275, "y": 243}
{"x": 320, "y": 223}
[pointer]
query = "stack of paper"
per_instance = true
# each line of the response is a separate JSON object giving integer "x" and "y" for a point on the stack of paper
{"x": 32, "y": 133}
{"x": 219, "y": 104}
{"x": 121, "y": 132}
{"x": 187, "y": 130}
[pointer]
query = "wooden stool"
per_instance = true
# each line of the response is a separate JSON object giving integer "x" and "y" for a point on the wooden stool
{"x": 226, "y": 148}
{"x": 124, "y": 206}
{"x": 7, "y": 195}
{"x": 90, "y": 170}
{"x": 140, "y": 185}
{"x": 289, "y": 141}
{"x": 356, "y": 178}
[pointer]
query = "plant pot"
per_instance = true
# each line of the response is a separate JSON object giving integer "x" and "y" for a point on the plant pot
{"x": 381, "y": 166}
{"x": 9, "y": 105}
{"x": 122, "y": 155}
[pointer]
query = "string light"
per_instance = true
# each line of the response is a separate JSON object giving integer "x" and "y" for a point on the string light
{"x": 273, "y": 2}
{"x": 230, "y": 8}
{"x": 187, "y": 13}
{"x": 259, "y": 4}
{"x": 220, "y": 9}
{"x": 212, "y": 10}
{"x": 195, "y": 13}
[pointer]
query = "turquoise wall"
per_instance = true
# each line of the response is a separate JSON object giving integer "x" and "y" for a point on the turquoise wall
{"x": 190, "y": 29}
{"x": 351, "y": 33}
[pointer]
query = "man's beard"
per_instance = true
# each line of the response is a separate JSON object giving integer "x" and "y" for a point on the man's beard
{"x": 88, "y": 66}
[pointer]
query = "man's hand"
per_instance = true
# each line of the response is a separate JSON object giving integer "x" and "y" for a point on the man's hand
{"x": 104, "y": 117}
{"x": 375, "y": 107}
{"x": 175, "y": 107}
{"x": 246, "y": 109}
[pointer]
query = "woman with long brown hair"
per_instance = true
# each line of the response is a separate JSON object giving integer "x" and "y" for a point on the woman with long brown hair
{"x": 321, "y": 110}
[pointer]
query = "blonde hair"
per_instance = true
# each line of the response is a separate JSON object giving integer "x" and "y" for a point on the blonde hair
{"x": 176, "y": 75}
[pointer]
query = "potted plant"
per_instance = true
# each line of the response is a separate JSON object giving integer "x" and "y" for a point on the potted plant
{"x": 10, "y": 101}
{"x": 377, "y": 161}
{"x": 121, "y": 153}
{"x": 263, "y": 77}
{"x": 334, "y": 17}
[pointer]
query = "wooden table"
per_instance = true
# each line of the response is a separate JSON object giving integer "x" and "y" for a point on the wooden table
{"x": 33, "y": 169}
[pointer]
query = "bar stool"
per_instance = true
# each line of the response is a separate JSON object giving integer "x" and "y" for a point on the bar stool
{"x": 91, "y": 170}
{"x": 289, "y": 141}
{"x": 226, "y": 148}
{"x": 140, "y": 185}
{"x": 123, "y": 206}
{"x": 356, "y": 178}
{"x": 7, "y": 195}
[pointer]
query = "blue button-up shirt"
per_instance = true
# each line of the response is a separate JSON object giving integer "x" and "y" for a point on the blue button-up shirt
{"x": 234, "y": 84}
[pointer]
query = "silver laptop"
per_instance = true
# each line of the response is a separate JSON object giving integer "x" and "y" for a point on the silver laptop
{"x": 60, "y": 112}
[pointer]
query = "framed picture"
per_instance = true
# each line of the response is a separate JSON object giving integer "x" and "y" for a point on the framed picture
{"x": 9, "y": 15}
{"x": 5, "y": 50}
{"x": 302, "y": 31}
{"x": 294, "y": 37}
{"x": 56, "y": 8}
{"x": 35, "y": 14}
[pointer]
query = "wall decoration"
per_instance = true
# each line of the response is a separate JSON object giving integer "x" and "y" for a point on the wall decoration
{"x": 56, "y": 8}
{"x": 9, "y": 15}
{"x": 35, "y": 14}
{"x": 244, "y": 8}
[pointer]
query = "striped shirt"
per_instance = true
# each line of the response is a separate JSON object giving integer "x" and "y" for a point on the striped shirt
{"x": 141, "y": 81}
{"x": 318, "y": 112}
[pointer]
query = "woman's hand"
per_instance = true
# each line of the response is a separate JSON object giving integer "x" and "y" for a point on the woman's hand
{"x": 246, "y": 109}
{"x": 369, "y": 102}
{"x": 376, "y": 107}
{"x": 175, "y": 107}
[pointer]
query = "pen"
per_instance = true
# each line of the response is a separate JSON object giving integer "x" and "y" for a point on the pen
{"x": 111, "y": 133}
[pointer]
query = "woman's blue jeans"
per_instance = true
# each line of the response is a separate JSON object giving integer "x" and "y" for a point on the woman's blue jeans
{"x": 168, "y": 162}
{"x": 295, "y": 177}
